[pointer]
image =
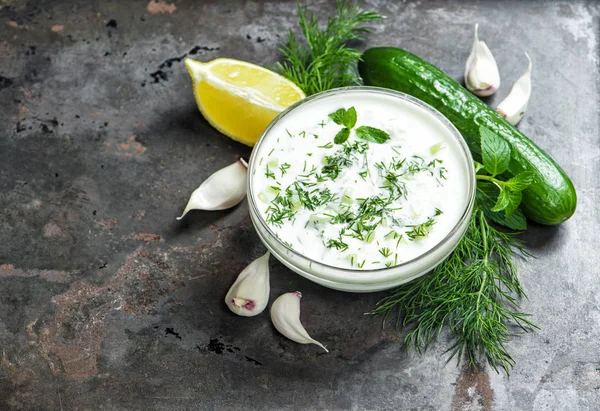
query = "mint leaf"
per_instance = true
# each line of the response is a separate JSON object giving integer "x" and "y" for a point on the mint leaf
{"x": 342, "y": 136}
{"x": 343, "y": 117}
{"x": 338, "y": 116}
{"x": 508, "y": 201}
{"x": 350, "y": 117}
{"x": 372, "y": 134}
{"x": 502, "y": 201}
{"x": 495, "y": 152}
{"x": 520, "y": 182}
{"x": 514, "y": 200}
{"x": 484, "y": 198}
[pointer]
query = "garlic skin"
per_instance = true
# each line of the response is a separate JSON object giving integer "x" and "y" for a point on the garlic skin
{"x": 513, "y": 107}
{"x": 482, "y": 77}
{"x": 249, "y": 294}
{"x": 222, "y": 190}
{"x": 285, "y": 315}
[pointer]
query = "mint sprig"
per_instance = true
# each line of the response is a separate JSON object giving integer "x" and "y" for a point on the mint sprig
{"x": 486, "y": 196}
{"x": 347, "y": 118}
{"x": 496, "y": 154}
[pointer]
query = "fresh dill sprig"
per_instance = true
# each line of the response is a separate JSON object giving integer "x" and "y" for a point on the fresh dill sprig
{"x": 474, "y": 292}
{"x": 324, "y": 60}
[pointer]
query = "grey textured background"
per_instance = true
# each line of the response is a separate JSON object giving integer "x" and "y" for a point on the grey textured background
{"x": 106, "y": 302}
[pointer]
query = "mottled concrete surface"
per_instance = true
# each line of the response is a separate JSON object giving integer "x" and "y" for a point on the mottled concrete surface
{"x": 107, "y": 302}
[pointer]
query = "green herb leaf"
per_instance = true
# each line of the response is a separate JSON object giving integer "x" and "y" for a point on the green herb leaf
{"x": 338, "y": 116}
{"x": 508, "y": 201}
{"x": 515, "y": 198}
{"x": 350, "y": 117}
{"x": 485, "y": 197}
{"x": 520, "y": 182}
{"x": 342, "y": 136}
{"x": 372, "y": 134}
{"x": 344, "y": 117}
{"x": 495, "y": 152}
{"x": 502, "y": 201}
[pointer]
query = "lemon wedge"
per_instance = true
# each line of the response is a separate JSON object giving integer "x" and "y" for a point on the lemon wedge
{"x": 240, "y": 99}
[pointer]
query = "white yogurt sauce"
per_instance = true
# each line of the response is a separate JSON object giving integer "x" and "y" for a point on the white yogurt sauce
{"x": 360, "y": 205}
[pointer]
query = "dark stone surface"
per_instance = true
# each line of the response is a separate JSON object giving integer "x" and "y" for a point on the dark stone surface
{"x": 107, "y": 302}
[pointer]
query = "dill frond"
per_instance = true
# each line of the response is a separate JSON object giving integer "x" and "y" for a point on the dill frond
{"x": 323, "y": 60}
{"x": 475, "y": 293}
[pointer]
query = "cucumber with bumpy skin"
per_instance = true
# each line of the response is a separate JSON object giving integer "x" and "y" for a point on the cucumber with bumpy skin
{"x": 551, "y": 199}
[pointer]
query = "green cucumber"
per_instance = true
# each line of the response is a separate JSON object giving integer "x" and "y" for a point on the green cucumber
{"x": 551, "y": 199}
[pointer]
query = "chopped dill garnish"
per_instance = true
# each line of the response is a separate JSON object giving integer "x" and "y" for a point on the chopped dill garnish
{"x": 420, "y": 230}
{"x": 269, "y": 173}
{"x": 339, "y": 245}
{"x": 343, "y": 158}
{"x": 280, "y": 210}
{"x": 284, "y": 168}
{"x": 386, "y": 252}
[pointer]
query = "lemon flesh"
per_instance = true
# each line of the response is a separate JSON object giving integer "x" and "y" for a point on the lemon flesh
{"x": 238, "y": 98}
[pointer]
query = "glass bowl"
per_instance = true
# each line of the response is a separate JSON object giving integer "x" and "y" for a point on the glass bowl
{"x": 359, "y": 280}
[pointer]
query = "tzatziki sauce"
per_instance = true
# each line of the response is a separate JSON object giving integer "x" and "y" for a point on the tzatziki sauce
{"x": 360, "y": 181}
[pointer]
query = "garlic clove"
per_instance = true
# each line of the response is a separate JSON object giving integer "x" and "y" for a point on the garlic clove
{"x": 285, "y": 315}
{"x": 222, "y": 190}
{"x": 249, "y": 294}
{"x": 513, "y": 107}
{"x": 481, "y": 71}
